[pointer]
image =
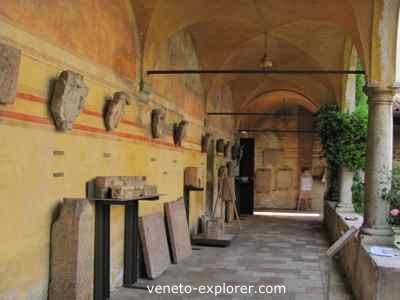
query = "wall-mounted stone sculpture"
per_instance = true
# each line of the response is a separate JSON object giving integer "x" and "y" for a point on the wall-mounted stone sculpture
{"x": 220, "y": 146}
{"x": 180, "y": 132}
{"x": 227, "y": 148}
{"x": 115, "y": 110}
{"x": 205, "y": 142}
{"x": 10, "y": 58}
{"x": 68, "y": 100}
{"x": 235, "y": 151}
{"x": 157, "y": 123}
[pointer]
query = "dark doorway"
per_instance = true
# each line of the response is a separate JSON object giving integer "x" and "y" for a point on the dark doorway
{"x": 246, "y": 171}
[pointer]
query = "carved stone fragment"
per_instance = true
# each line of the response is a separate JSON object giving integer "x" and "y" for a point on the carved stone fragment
{"x": 180, "y": 132}
{"x": 68, "y": 99}
{"x": 72, "y": 252}
{"x": 235, "y": 151}
{"x": 205, "y": 142}
{"x": 220, "y": 146}
{"x": 115, "y": 110}
{"x": 157, "y": 123}
{"x": 227, "y": 148}
{"x": 10, "y": 58}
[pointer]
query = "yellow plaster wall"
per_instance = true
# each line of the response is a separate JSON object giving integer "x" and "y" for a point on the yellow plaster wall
{"x": 29, "y": 192}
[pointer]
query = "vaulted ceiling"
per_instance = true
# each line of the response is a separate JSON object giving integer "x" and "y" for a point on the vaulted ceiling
{"x": 303, "y": 34}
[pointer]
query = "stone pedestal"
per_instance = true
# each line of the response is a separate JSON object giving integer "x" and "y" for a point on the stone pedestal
{"x": 345, "y": 194}
{"x": 378, "y": 163}
{"x": 72, "y": 252}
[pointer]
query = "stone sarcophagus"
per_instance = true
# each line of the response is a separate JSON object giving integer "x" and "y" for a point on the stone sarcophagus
{"x": 180, "y": 132}
{"x": 115, "y": 110}
{"x": 72, "y": 252}
{"x": 123, "y": 187}
{"x": 10, "y": 58}
{"x": 157, "y": 123}
{"x": 193, "y": 177}
{"x": 68, "y": 99}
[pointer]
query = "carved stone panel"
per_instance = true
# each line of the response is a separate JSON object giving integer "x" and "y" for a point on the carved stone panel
{"x": 68, "y": 99}
{"x": 235, "y": 151}
{"x": 180, "y": 132}
{"x": 72, "y": 252}
{"x": 115, "y": 110}
{"x": 10, "y": 58}
{"x": 178, "y": 230}
{"x": 284, "y": 179}
{"x": 205, "y": 142}
{"x": 157, "y": 123}
{"x": 155, "y": 246}
{"x": 263, "y": 181}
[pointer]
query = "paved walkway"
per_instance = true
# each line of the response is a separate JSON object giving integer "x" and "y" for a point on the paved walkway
{"x": 268, "y": 251}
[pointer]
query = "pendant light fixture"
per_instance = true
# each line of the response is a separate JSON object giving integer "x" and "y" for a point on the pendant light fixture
{"x": 265, "y": 61}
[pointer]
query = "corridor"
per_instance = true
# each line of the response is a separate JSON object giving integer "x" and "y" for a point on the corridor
{"x": 268, "y": 251}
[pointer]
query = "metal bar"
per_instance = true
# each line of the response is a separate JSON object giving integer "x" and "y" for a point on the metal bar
{"x": 255, "y": 71}
{"x": 276, "y": 130}
{"x": 247, "y": 114}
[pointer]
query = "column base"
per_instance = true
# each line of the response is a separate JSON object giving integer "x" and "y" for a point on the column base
{"x": 345, "y": 208}
{"x": 381, "y": 236}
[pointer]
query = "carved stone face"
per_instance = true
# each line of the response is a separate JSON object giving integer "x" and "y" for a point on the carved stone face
{"x": 68, "y": 100}
{"x": 227, "y": 148}
{"x": 157, "y": 123}
{"x": 180, "y": 132}
{"x": 115, "y": 110}
{"x": 9, "y": 66}
{"x": 220, "y": 146}
{"x": 205, "y": 142}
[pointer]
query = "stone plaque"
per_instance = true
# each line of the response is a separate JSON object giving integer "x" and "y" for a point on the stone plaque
{"x": 68, "y": 99}
{"x": 155, "y": 245}
{"x": 115, "y": 110}
{"x": 180, "y": 132}
{"x": 72, "y": 252}
{"x": 178, "y": 230}
{"x": 157, "y": 123}
{"x": 10, "y": 59}
{"x": 284, "y": 179}
{"x": 263, "y": 181}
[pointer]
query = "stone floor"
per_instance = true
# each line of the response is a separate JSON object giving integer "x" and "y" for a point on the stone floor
{"x": 268, "y": 251}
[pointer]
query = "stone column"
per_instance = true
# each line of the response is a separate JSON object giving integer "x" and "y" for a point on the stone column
{"x": 378, "y": 163}
{"x": 345, "y": 194}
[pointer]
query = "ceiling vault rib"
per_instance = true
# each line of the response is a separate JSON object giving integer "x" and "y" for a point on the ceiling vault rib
{"x": 255, "y": 72}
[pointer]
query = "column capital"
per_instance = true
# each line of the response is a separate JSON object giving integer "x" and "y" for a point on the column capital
{"x": 381, "y": 94}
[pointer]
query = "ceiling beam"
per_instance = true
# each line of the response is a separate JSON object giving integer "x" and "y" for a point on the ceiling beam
{"x": 254, "y": 72}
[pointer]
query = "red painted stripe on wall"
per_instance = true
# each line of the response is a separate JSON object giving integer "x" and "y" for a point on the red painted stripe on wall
{"x": 44, "y": 121}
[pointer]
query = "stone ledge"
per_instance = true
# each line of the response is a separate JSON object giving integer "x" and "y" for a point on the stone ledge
{"x": 371, "y": 277}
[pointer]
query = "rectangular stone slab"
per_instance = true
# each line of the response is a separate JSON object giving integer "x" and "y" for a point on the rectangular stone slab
{"x": 10, "y": 58}
{"x": 154, "y": 243}
{"x": 178, "y": 230}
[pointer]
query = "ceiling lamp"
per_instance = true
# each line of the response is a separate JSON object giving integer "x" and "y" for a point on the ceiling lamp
{"x": 266, "y": 61}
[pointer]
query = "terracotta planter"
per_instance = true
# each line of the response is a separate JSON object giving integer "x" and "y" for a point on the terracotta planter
{"x": 396, "y": 230}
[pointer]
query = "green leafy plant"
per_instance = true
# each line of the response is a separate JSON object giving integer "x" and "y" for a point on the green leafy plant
{"x": 358, "y": 193}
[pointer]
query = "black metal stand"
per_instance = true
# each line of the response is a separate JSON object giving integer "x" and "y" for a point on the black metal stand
{"x": 186, "y": 196}
{"x": 102, "y": 241}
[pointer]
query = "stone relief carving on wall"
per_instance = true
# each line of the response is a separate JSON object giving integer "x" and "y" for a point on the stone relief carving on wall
{"x": 68, "y": 99}
{"x": 115, "y": 110}
{"x": 227, "y": 148}
{"x": 157, "y": 123}
{"x": 220, "y": 146}
{"x": 205, "y": 142}
{"x": 180, "y": 132}
{"x": 10, "y": 58}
